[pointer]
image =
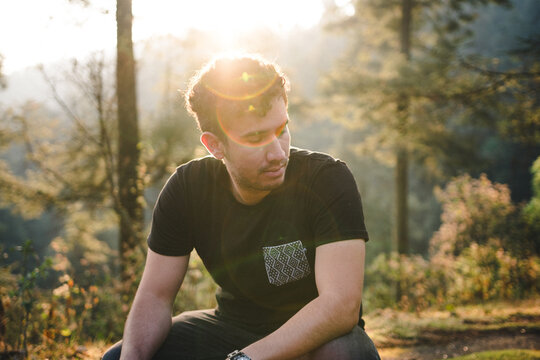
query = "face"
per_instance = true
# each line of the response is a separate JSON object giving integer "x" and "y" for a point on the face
{"x": 256, "y": 152}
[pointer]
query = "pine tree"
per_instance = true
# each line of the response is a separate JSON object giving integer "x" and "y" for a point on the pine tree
{"x": 403, "y": 82}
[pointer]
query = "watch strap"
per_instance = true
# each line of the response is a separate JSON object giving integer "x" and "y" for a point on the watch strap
{"x": 237, "y": 355}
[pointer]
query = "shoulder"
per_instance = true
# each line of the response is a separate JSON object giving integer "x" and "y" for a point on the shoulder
{"x": 312, "y": 163}
{"x": 199, "y": 165}
{"x": 320, "y": 171}
{"x": 311, "y": 156}
{"x": 195, "y": 173}
{"x": 199, "y": 169}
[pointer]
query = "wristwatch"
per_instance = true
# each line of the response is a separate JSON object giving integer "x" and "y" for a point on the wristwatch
{"x": 237, "y": 355}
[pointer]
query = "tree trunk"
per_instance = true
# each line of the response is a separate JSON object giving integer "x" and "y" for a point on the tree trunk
{"x": 402, "y": 213}
{"x": 402, "y": 154}
{"x": 129, "y": 182}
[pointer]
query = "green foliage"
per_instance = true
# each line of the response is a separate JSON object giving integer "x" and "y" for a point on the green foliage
{"x": 480, "y": 273}
{"x": 479, "y": 211}
{"x": 57, "y": 321}
{"x": 368, "y": 85}
{"x": 472, "y": 213}
{"x": 65, "y": 165}
{"x": 481, "y": 252}
{"x": 441, "y": 99}
{"x": 198, "y": 288}
{"x": 69, "y": 167}
{"x": 411, "y": 273}
{"x": 488, "y": 272}
{"x": 23, "y": 298}
{"x": 531, "y": 212}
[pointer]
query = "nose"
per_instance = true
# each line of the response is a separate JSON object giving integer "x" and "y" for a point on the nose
{"x": 275, "y": 151}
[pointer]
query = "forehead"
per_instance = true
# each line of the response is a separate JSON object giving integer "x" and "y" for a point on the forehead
{"x": 251, "y": 123}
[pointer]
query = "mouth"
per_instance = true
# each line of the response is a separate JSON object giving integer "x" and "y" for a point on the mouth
{"x": 275, "y": 171}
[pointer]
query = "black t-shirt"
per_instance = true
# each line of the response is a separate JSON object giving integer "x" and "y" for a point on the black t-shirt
{"x": 262, "y": 256}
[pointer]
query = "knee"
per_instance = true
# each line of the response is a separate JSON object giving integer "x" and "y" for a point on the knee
{"x": 113, "y": 353}
{"x": 354, "y": 345}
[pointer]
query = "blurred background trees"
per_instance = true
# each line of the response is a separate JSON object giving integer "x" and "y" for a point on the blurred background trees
{"x": 457, "y": 107}
{"x": 412, "y": 83}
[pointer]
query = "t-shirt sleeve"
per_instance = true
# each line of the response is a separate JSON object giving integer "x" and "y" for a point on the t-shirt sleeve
{"x": 170, "y": 233}
{"x": 336, "y": 206}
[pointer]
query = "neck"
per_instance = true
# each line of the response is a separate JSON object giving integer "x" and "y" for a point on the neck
{"x": 247, "y": 196}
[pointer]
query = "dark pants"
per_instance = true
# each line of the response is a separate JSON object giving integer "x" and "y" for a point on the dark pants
{"x": 198, "y": 335}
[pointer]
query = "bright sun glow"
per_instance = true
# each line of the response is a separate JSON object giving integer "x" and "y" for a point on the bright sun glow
{"x": 37, "y": 31}
{"x": 164, "y": 16}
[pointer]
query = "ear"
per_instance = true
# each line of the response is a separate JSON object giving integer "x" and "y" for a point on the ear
{"x": 213, "y": 144}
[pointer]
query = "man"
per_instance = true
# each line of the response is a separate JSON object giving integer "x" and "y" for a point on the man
{"x": 280, "y": 230}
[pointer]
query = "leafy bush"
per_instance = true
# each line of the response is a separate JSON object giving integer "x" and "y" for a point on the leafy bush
{"x": 58, "y": 320}
{"x": 531, "y": 212}
{"x": 21, "y": 301}
{"x": 417, "y": 281}
{"x": 479, "y": 273}
{"x": 198, "y": 288}
{"x": 485, "y": 249}
{"x": 474, "y": 211}
{"x": 488, "y": 272}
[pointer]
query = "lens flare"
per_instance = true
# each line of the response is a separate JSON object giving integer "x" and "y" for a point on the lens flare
{"x": 265, "y": 139}
{"x": 245, "y": 77}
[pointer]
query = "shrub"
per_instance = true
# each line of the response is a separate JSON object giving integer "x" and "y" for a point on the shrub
{"x": 488, "y": 272}
{"x": 484, "y": 243}
{"x": 531, "y": 212}
{"x": 60, "y": 319}
{"x": 418, "y": 282}
{"x": 474, "y": 211}
{"x": 485, "y": 249}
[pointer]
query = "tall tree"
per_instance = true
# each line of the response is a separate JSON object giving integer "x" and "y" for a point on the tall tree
{"x": 66, "y": 162}
{"x": 403, "y": 83}
{"x": 402, "y": 155}
{"x": 129, "y": 177}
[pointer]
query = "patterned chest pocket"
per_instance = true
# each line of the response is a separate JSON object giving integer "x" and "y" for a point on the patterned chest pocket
{"x": 286, "y": 263}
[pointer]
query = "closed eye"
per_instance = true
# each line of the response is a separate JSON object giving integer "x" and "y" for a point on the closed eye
{"x": 255, "y": 139}
{"x": 282, "y": 129}
{"x": 258, "y": 138}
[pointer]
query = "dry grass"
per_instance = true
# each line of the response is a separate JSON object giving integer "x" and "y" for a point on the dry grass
{"x": 390, "y": 328}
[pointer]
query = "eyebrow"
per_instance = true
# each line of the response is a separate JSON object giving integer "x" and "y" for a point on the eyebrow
{"x": 264, "y": 132}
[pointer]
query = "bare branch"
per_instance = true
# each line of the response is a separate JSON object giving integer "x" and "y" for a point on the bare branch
{"x": 88, "y": 135}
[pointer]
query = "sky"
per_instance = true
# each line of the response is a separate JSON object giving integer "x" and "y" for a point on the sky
{"x": 42, "y": 31}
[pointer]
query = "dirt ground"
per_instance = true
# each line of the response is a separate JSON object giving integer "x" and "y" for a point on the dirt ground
{"x": 435, "y": 346}
{"x": 447, "y": 346}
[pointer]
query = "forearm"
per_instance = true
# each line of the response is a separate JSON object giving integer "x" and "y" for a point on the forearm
{"x": 320, "y": 321}
{"x": 333, "y": 313}
{"x": 147, "y": 325}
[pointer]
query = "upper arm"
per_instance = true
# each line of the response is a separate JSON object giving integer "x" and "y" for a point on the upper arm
{"x": 336, "y": 210}
{"x": 163, "y": 275}
{"x": 339, "y": 271}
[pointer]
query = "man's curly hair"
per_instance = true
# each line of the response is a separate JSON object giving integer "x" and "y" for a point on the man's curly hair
{"x": 230, "y": 87}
